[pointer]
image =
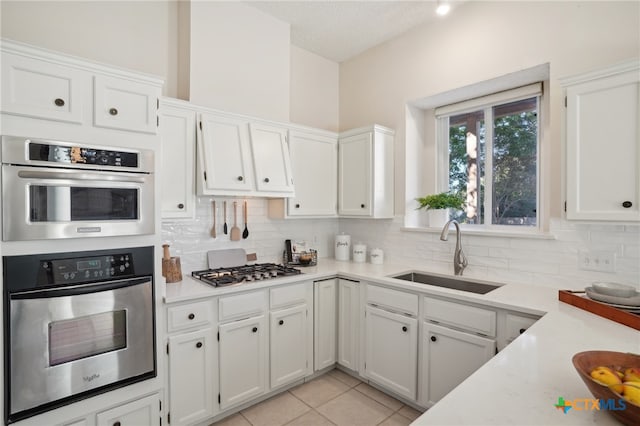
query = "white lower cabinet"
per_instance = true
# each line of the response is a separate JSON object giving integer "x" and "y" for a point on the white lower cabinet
{"x": 448, "y": 358}
{"x": 391, "y": 351}
{"x": 288, "y": 339}
{"x": 325, "y": 320}
{"x": 192, "y": 376}
{"x": 348, "y": 323}
{"x": 143, "y": 411}
{"x": 243, "y": 360}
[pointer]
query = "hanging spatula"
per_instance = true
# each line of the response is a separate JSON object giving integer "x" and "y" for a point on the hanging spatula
{"x": 213, "y": 228}
{"x": 235, "y": 231}
{"x": 224, "y": 227}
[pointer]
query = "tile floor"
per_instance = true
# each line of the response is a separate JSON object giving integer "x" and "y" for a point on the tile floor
{"x": 335, "y": 398}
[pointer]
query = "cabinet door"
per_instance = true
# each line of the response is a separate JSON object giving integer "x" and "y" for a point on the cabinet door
{"x": 125, "y": 105}
{"x": 144, "y": 411}
{"x": 243, "y": 361}
{"x": 603, "y": 154}
{"x": 224, "y": 155}
{"x": 448, "y": 358}
{"x": 34, "y": 88}
{"x": 354, "y": 175}
{"x": 391, "y": 351}
{"x": 178, "y": 132}
{"x": 348, "y": 323}
{"x": 314, "y": 159}
{"x": 271, "y": 158}
{"x": 324, "y": 311}
{"x": 192, "y": 376}
{"x": 288, "y": 344}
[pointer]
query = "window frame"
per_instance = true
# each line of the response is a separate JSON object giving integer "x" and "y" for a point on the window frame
{"x": 486, "y": 104}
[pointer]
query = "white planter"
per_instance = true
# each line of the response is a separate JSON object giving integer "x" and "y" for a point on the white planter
{"x": 437, "y": 218}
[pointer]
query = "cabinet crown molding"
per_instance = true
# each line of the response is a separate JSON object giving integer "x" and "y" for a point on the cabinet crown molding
{"x": 619, "y": 68}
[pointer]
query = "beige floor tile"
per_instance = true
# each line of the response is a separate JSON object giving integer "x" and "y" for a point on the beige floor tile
{"x": 354, "y": 408}
{"x": 344, "y": 378}
{"x": 275, "y": 411}
{"x": 235, "y": 420}
{"x": 396, "y": 420}
{"x": 320, "y": 390}
{"x": 379, "y": 396}
{"x": 409, "y": 413}
{"x": 311, "y": 418}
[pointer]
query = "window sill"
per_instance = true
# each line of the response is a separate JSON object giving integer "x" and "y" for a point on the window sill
{"x": 534, "y": 235}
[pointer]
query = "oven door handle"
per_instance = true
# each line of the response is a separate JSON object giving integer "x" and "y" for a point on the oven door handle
{"x": 79, "y": 176}
{"x": 80, "y": 289}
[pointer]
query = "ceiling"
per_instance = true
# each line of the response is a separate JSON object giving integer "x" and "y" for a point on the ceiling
{"x": 339, "y": 30}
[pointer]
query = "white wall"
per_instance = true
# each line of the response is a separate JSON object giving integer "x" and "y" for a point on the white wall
{"x": 239, "y": 60}
{"x": 314, "y": 90}
{"x": 481, "y": 40}
{"x": 140, "y": 36}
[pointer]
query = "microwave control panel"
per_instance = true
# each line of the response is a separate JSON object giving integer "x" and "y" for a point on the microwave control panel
{"x": 81, "y": 155}
{"x": 78, "y": 270}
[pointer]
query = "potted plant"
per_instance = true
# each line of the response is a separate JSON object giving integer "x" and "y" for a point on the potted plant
{"x": 438, "y": 205}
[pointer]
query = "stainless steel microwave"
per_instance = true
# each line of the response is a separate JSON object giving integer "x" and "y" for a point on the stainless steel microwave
{"x": 54, "y": 189}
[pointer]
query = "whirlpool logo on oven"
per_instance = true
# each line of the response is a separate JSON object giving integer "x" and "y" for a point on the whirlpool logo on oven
{"x": 91, "y": 378}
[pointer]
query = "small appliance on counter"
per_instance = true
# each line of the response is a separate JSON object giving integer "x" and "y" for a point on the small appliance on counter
{"x": 359, "y": 253}
{"x": 298, "y": 254}
{"x": 343, "y": 247}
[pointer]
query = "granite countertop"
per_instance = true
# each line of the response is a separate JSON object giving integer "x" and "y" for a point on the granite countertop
{"x": 522, "y": 383}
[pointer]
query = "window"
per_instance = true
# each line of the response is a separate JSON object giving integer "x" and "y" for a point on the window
{"x": 492, "y": 149}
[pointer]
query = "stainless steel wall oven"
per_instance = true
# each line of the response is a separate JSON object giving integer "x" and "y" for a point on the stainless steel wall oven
{"x": 53, "y": 189}
{"x": 75, "y": 325}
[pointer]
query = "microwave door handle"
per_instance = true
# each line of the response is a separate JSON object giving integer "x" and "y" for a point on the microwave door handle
{"x": 79, "y": 289}
{"x": 100, "y": 177}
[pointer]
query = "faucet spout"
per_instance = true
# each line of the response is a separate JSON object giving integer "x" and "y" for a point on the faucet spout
{"x": 459, "y": 259}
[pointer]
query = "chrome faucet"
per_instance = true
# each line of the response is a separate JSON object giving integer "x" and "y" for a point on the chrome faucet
{"x": 459, "y": 259}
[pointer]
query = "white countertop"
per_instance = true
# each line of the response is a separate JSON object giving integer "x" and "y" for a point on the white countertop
{"x": 522, "y": 383}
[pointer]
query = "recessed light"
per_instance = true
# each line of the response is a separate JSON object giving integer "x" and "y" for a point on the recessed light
{"x": 443, "y": 8}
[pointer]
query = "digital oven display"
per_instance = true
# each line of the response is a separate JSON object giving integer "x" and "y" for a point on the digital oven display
{"x": 88, "y": 264}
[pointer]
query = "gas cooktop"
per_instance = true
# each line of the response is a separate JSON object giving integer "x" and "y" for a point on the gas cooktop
{"x": 220, "y": 277}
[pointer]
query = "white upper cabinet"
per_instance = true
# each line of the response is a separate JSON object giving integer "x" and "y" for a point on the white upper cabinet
{"x": 365, "y": 173}
{"x": 314, "y": 161}
{"x": 603, "y": 144}
{"x": 42, "y": 90}
{"x": 124, "y": 105}
{"x": 271, "y": 158}
{"x": 224, "y": 155}
{"x": 42, "y": 84}
{"x": 178, "y": 135}
{"x": 241, "y": 156}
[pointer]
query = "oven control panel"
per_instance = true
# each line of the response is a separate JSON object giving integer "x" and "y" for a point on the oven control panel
{"x": 81, "y": 155}
{"x": 77, "y": 270}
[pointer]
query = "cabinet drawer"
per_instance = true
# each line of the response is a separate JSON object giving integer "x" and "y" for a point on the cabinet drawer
{"x": 516, "y": 325}
{"x": 242, "y": 305}
{"x": 393, "y": 299}
{"x": 288, "y": 296}
{"x": 466, "y": 317}
{"x": 144, "y": 411}
{"x": 199, "y": 314}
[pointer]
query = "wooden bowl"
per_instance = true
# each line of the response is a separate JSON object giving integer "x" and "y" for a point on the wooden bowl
{"x": 585, "y": 362}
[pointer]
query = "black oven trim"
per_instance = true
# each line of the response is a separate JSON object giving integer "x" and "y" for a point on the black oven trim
{"x": 22, "y": 268}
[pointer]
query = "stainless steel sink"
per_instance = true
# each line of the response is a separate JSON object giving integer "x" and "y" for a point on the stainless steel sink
{"x": 452, "y": 283}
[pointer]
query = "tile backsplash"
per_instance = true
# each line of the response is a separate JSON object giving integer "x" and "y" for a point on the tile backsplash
{"x": 551, "y": 262}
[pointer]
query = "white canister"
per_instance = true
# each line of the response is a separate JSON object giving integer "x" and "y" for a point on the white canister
{"x": 377, "y": 256}
{"x": 343, "y": 247}
{"x": 359, "y": 252}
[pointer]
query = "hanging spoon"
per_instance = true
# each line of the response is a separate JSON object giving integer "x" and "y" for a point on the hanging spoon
{"x": 245, "y": 233}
